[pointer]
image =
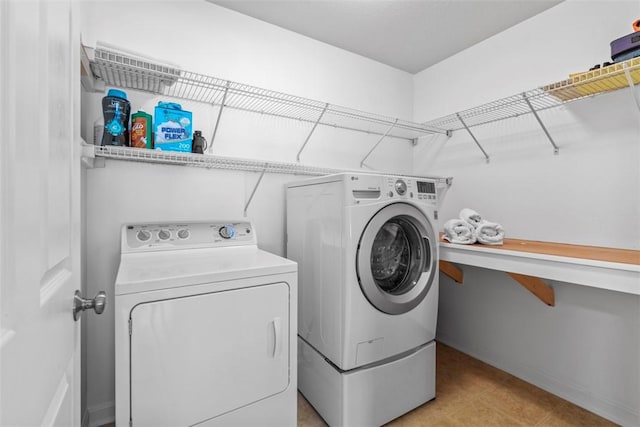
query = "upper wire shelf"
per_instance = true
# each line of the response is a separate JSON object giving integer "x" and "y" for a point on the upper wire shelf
{"x": 126, "y": 70}
{"x": 578, "y": 86}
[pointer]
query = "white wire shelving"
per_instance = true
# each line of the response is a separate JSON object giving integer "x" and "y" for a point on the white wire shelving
{"x": 223, "y": 162}
{"x": 126, "y": 70}
{"x": 578, "y": 86}
{"x": 92, "y": 152}
{"x": 204, "y": 161}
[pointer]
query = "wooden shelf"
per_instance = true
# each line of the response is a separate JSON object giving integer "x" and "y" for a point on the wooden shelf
{"x": 600, "y": 267}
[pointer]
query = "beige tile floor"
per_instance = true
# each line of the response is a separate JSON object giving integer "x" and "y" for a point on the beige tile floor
{"x": 472, "y": 393}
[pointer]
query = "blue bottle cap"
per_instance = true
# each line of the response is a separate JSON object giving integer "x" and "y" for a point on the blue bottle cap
{"x": 117, "y": 93}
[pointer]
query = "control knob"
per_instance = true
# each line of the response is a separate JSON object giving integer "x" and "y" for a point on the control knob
{"x": 143, "y": 235}
{"x": 227, "y": 232}
{"x": 401, "y": 187}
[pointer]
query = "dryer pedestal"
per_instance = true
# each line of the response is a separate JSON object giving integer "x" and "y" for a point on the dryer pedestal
{"x": 371, "y": 395}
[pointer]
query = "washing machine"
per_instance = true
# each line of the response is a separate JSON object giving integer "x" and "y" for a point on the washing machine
{"x": 367, "y": 252}
{"x": 205, "y": 327}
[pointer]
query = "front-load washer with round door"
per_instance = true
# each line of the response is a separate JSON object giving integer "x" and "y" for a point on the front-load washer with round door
{"x": 205, "y": 328}
{"x": 367, "y": 252}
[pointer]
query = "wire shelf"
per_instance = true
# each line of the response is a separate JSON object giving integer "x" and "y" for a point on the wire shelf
{"x": 208, "y": 161}
{"x": 578, "y": 86}
{"x": 229, "y": 163}
{"x": 125, "y": 70}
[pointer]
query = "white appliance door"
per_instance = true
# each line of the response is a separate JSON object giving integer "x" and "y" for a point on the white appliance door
{"x": 39, "y": 213}
{"x": 397, "y": 258}
{"x": 197, "y": 357}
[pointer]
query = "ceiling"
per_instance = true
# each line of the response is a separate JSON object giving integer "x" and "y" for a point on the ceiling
{"x": 410, "y": 35}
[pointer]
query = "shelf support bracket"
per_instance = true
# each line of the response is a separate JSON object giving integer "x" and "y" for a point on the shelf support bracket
{"x": 556, "y": 150}
{"x": 224, "y": 100}
{"x": 378, "y": 143}
{"x": 451, "y": 270}
{"x": 537, "y": 287}
{"x": 246, "y": 206}
{"x": 631, "y": 85}
{"x": 312, "y": 130}
{"x": 486, "y": 156}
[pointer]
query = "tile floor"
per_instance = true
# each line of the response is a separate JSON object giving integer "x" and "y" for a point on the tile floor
{"x": 472, "y": 393}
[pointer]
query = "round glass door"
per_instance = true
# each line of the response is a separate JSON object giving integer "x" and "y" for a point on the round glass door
{"x": 396, "y": 258}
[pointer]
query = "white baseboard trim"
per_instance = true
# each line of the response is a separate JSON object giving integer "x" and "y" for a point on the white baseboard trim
{"x": 99, "y": 415}
{"x": 612, "y": 411}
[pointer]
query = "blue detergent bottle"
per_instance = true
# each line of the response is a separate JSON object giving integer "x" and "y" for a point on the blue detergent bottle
{"x": 116, "y": 110}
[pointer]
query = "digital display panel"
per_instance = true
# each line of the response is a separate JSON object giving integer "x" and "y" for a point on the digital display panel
{"x": 426, "y": 187}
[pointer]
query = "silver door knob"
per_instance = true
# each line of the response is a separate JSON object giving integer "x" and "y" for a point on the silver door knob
{"x": 80, "y": 304}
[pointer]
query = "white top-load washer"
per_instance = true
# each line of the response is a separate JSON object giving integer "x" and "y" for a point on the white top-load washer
{"x": 205, "y": 326}
{"x": 367, "y": 248}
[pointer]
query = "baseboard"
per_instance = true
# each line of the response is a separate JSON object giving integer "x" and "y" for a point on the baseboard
{"x": 560, "y": 387}
{"x": 99, "y": 415}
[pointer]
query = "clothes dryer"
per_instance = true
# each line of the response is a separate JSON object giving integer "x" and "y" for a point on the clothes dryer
{"x": 367, "y": 251}
{"x": 205, "y": 326}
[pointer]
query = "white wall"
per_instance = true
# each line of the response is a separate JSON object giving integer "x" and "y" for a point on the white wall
{"x": 211, "y": 40}
{"x": 587, "y": 347}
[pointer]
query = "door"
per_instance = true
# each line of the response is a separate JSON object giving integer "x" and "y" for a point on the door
{"x": 40, "y": 214}
{"x": 195, "y": 358}
{"x": 397, "y": 258}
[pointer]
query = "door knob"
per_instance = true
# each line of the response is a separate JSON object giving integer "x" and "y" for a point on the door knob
{"x": 80, "y": 304}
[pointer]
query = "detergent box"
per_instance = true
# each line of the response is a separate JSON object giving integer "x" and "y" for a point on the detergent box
{"x": 172, "y": 127}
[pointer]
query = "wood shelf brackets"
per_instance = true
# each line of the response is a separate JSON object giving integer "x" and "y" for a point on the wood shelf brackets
{"x": 452, "y": 271}
{"x": 537, "y": 287}
{"x": 534, "y": 285}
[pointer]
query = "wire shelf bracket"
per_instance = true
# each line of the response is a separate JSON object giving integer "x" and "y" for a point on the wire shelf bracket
{"x": 378, "y": 143}
{"x": 486, "y": 156}
{"x": 222, "y": 104}
{"x": 255, "y": 187}
{"x": 556, "y": 150}
{"x": 627, "y": 74}
{"x": 578, "y": 86}
{"x": 324, "y": 110}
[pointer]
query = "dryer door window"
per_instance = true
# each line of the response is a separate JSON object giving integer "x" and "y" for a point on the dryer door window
{"x": 396, "y": 260}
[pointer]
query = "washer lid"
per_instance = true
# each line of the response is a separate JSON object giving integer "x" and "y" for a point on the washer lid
{"x": 147, "y": 271}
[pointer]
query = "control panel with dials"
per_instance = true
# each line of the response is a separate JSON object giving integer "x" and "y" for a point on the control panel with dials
{"x": 158, "y": 236}
{"x": 376, "y": 187}
{"x": 410, "y": 188}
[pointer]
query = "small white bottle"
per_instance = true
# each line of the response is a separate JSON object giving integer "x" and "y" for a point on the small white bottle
{"x": 98, "y": 130}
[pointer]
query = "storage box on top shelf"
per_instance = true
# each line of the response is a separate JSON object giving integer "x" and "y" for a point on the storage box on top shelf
{"x": 172, "y": 127}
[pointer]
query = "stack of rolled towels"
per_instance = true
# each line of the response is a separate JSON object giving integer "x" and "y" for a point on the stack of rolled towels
{"x": 471, "y": 228}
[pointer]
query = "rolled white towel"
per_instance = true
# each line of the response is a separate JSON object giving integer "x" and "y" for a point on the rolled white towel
{"x": 459, "y": 231}
{"x": 489, "y": 233}
{"x": 472, "y": 217}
